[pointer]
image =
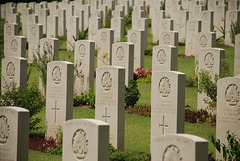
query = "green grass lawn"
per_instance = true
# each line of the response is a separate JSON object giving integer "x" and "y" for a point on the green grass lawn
{"x": 137, "y": 128}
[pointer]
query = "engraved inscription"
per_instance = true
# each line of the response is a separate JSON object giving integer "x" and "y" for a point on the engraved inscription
{"x": 192, "y": 26}
{"x": 120, "y": 53}
{"x": 104, "y": 37}
{"x": 80, "y": 144}
{"x": 164, "y": 87}
{"x": 203, "y": 41}
{"x": 167, "y": 39}
{"x": 172, "y": 152}
{"x": 209, "y": 60}
{"x": 4, "y": 129}
{"x": 134, "y": 38}
{"x": 14, "y": 45}
{"x": 46, "y": 48}
{"x": 161, "y": 56}
{"x": 232, "y": 95}
{"x": 56, "y": 75}
{"x": 106, "y": 81}
{"x": 82, "y": 50}
{"x": 10, "y": 70}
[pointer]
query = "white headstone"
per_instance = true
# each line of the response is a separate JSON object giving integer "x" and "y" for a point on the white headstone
{"x": 10, "y": 29}
{"x": 85, "y": 140}
{"x": 14, "y": 132}
{"x": 210, "y": 60}
{"x": 231, "y": 17}
{"x": 110, "y": 96}
{"x": 73, "y": 33}
{"x": 180, "y": 21}
{"x": 141, "y": 24}
{"x": 26, "y": 12}
{"x": 14, "y": 72}
{"x": 207, "y": 21}
{"x": 49, "y": 47}
{"x": 193, "y": 28}
{"x": 43, "y": 19}
{"x": 136, "y": 37}
{"x": 84, "y": 63}
{"x": 169, "y": 38}
{"x": 94, "y": 26}
{"x": 80, "y": 14}
{"x": 228, "y": 103}
{"x": 179, "y": 147}
{"x": 59, "y": 99}
{"x": 35, "y": 33}
{"x": 16, "y": 47}
{"x": 123, "y": 55}
{"x": 168, "y": 103}
{"x": 164, "y": 58}
{"x": 117, "y": 24}
{"x": 219, "y": 19}
{"x": 237, "y": 55}
{"x": 105, "y": 41}
{"x": 52, "y": 26}
{"x": 61, "y": 22}
{"x": 157, "y": 18}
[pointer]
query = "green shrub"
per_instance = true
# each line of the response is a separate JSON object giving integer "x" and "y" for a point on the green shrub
{"x": 115, "y": 155}
{"x": 85, "y": 99}
{"x": 146, "y": 80}
{"x": 29, "y": 98}
{"x": 132, "y": 94}
{"x": 108, "y": 19}
{"x": 230, "y": 151}
{"x": 209, "y": 87}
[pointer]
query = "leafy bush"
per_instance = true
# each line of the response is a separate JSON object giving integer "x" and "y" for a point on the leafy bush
{"x": 29, "y": 98}
{"x": 191, "y": 80}
{"x": 108, "y": 19}
{"x": 209, "y": 87}
{"x": 221, "y": 39}
{"x": 83, "y": 35}
{"x": 235, "y": 29}
{"x": 132, "y": 94}
{"x": 115, "y": 155}
{"x": 230, "y": 151}
{"x": 85, "y": 99}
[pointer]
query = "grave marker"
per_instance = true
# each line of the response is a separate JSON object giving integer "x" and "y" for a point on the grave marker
{"x": 14, "y": 132}
{"x": 237, "y": 55}
{"x": 110, "y": 95}
{"x": 16, "y": 47}
{"x": 59, "y": 98}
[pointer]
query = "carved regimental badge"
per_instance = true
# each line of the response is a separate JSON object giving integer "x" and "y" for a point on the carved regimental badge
{"x": 134, "y": 38}
{"x": 4, "y": 129}
{"x": 172, "y": 152}
{"x": 209, "y": 60}
{"x": 82, "y": 50}
{"x": 166, "y": 39}
{"x": 106, "y": 81}
{"x": 14, "y": 45}
{"x": 139, "y": 24}
{"x": 80, "y": 144}
{"x": 34, "y": 31}
{"x": 10, "y": 70}
{"x": 104, "y": 37}
{"x": 46, "y": 48}
{"x": 164, "y": 87}
{"x": 203, "y": 41}
{"x": 8, "y": 30}
{"x": 56, "y": 75}
{"x": 232, "y": 95}
{"x": 120, "y": 53}
{"x": 161, "y": 56}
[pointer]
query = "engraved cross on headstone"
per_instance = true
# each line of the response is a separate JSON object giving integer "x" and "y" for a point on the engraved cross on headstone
{"x": 163, "y": 125}
{"x": 105, "y": 116}
{"x": 55, "y": 110}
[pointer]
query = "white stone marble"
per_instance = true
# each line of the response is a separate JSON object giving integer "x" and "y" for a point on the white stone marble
{"x": 237, "y": 55}
{"x": 72, "y": 35}
{"x": 52, "y": 26}
{"x": 14, "y": 123}
{"x": 110, "y": 96}
{"x": 16, "y": 47}
{"x": 85, "y": 140}
{"x": 84, "y": 66}
{"x": 59, "y": 98}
